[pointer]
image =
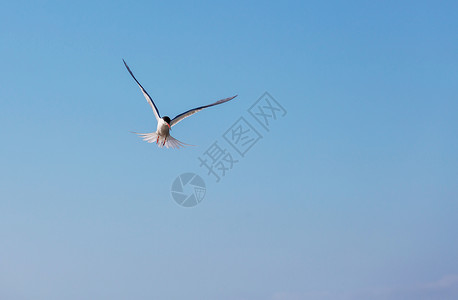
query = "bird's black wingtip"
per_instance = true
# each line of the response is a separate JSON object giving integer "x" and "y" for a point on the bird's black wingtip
{"x": 127, "y": 67}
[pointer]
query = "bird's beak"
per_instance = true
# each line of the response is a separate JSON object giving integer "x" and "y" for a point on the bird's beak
{"x": 169, "y": 126}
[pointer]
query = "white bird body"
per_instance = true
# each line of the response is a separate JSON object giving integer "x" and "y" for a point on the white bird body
{"x": 163, "y": 129}
{"x": 162, "y": 135}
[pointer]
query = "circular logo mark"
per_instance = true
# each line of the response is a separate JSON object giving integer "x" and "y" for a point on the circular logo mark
{"x": 188, "y": 189}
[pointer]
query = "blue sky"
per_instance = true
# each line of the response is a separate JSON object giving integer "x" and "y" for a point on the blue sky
{"x": 352, "y": 195}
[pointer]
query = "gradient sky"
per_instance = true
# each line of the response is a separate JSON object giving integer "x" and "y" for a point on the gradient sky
{"x": 352, "y": 195}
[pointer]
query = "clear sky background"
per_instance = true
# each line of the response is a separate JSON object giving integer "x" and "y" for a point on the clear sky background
{"x": 352, "y": 195}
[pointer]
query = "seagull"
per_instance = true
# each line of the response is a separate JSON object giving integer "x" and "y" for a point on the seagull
{"x": 162, "y": 135}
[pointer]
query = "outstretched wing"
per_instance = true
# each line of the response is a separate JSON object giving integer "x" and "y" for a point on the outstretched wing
{"x": 148, "y": 98}
{"x": 194, "y": 110}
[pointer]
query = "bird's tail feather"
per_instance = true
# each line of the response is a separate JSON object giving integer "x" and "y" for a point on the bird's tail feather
{"x": 171, "y": 142}
{"x": 148, "y": 137}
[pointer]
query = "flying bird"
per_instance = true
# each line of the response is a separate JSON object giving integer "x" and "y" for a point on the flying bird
{"x": 162, "y": 135}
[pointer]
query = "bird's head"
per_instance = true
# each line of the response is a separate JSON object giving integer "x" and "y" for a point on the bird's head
{"x": 167, "y": 120}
